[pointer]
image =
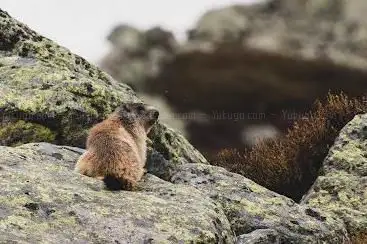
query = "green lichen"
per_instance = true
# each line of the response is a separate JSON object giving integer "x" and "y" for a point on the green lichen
{"x": 20, "y": 132}
{"x": 49, "y": 201}
{"x": 54, "y": 98}
{"x": 14, "y": 200}
{"x": 341, "y": 189}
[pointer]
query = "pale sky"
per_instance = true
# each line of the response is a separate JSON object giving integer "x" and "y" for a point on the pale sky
{"x": 82, "y": 25}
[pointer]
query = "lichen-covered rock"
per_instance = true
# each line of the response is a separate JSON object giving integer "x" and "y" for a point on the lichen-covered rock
{"x": 22, "y": 132}
{"x": 59, "y": 94}
{"x": 42, "y": 199}
{"x": 249, "y": 206}
{"x": 261, "y": 236}
{"x": 16, "y": 39}
{"x": 342, "y": 186}
{"x": 66, "y": 102}
{"x": 45, "y": 84}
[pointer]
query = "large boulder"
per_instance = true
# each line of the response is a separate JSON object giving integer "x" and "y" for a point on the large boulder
{"x": 42, "y": 199}
{"x": 250, "y": 207}
{"x": 342, "y": 186}
{"x": 45, "y": 84}
{"x": 49, "y": 94}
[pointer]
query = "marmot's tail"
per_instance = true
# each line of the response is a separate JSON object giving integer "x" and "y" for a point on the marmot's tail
{"x": 114, "y": 183}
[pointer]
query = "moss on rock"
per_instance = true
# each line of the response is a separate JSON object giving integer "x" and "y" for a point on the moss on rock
{"x": 47, "y": 84}
{"x": 20, "y": 132}
{"x": 249, "y": 206}
{"x": 341, "y": 189}
{"x": 43, "y": 200}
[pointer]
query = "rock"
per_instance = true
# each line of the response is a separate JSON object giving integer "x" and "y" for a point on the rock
{"x": 313, "y": 29}
{"x": 342, "y": 186}
{"x": 261, "y": 236}
{"x": 55, "y": 98}
{"x": 249, "y": 206}
{"x": 49, "y": 94}
{"x": 334, "y": 10}
{"x": 135, "y": 42}
{"x": 127, "y": 38}
{"x": 43, "y": 200}
{"x": 221, "y": 25}
{"x": 138, "y": 55}
{"x": 45, "y": 84}
{"x": 158, "y": 37}
{"x": 16, "y": 133}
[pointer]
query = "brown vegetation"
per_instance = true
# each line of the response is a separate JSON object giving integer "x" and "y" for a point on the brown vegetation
{"x": 360, "y": 238}
{"x": 289, "y": 165}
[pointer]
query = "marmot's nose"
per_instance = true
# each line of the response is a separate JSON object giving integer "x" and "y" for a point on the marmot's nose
{"x": 155, "y": 114}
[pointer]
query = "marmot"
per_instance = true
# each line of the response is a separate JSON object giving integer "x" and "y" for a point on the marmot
{"x": 116, "y": 147}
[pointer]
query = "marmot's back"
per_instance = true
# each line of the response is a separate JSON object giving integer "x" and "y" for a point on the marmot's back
{"x": 109, "y": 140}
{"x": 116, "y": 147}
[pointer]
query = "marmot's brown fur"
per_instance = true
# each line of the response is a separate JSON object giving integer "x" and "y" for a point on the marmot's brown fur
{"x": 116, "y": 147}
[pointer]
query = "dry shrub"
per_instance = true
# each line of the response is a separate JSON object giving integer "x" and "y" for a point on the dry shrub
{"x": 289, "y": 165}
{"x": 360, "y": 238}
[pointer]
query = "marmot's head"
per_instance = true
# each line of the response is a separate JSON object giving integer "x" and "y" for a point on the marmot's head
{"x": 132, "y": 115}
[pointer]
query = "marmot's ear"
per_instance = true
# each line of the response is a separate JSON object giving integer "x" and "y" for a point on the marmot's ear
{"x": 140, "y": 108}
{"x": 126, "y": 115}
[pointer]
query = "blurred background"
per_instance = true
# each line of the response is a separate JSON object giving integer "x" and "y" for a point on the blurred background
{"x": 225, "y": 73}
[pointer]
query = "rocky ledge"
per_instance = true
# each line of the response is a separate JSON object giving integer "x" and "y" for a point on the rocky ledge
{"x": 41, "y": 198}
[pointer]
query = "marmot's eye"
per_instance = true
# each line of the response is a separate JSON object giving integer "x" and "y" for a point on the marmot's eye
{"x": 140, "y": 108}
